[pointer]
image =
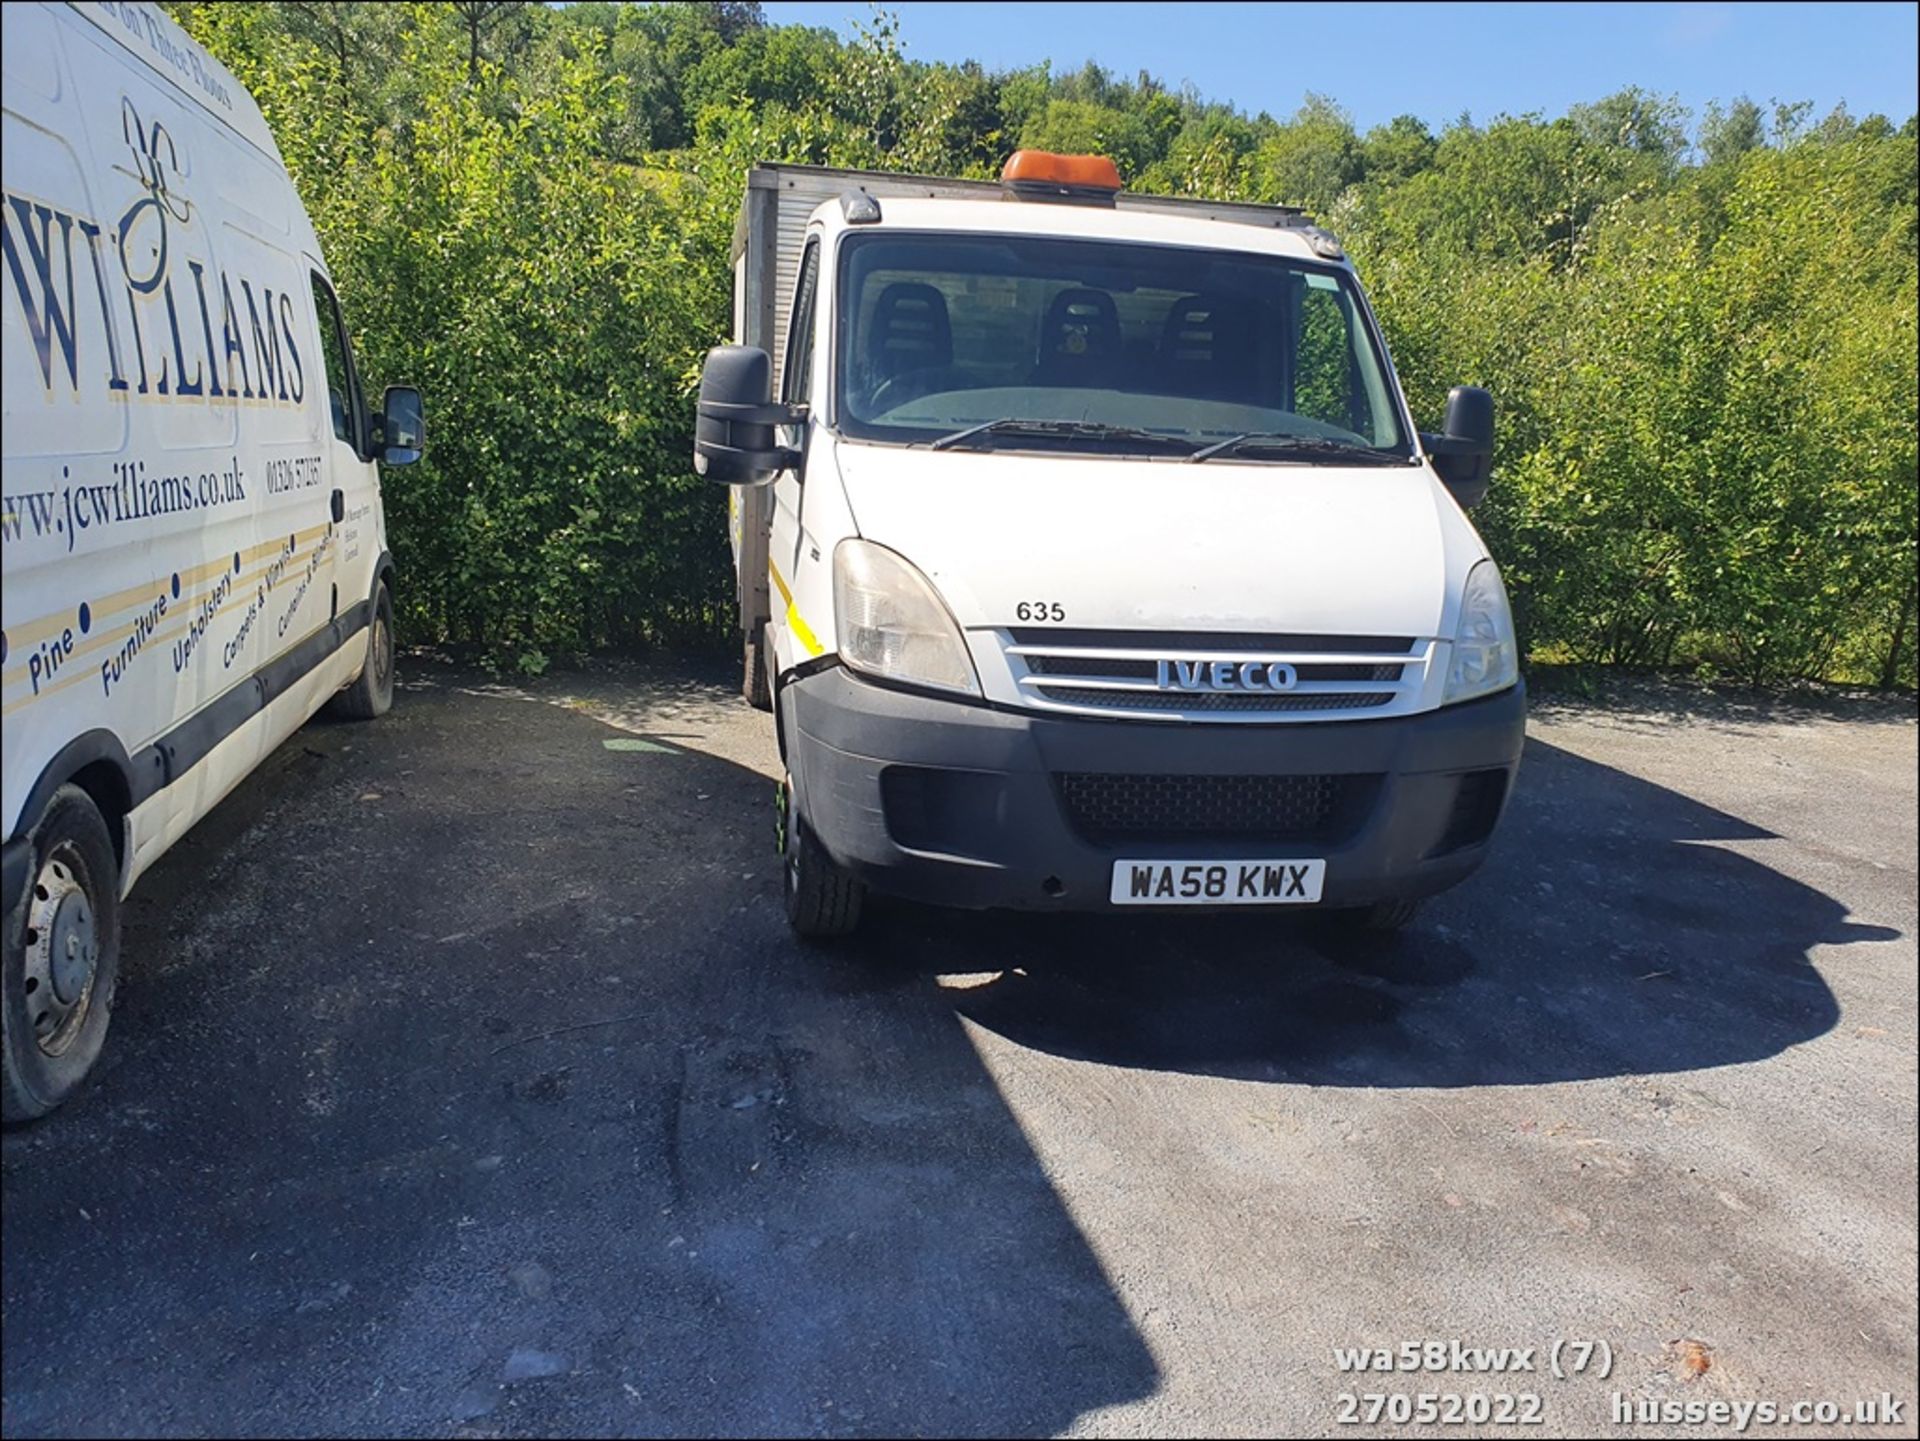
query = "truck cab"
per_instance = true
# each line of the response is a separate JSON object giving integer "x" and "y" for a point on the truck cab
{"x": 1089, "y": 557}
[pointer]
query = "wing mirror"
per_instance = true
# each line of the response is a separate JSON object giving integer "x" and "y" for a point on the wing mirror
{"x": 403, "y": 426}
{"x": 1463, "y": 456}
{"x": 734, "y": 440}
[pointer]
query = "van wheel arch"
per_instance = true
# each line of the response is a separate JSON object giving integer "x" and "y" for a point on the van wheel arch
{"x": 97, "y": 763}
{"x": 106, "y": 786}
{"x": 369, "y": 695}
{"x": 384, "y": 573}
{"x": 778, "y": 685}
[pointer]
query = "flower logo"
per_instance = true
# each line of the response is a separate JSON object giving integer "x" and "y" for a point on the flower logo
{"x": 143, "y": 229}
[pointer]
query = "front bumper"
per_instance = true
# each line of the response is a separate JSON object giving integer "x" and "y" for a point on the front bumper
{"x": 962, "y": 805}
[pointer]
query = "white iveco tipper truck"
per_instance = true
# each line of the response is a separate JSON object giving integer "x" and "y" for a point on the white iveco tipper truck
{"x": 1088, "y": 556}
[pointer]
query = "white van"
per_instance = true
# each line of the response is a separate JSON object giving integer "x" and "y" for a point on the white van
{"x": 1089, "y": 557}
{"x": 194, "y": 555}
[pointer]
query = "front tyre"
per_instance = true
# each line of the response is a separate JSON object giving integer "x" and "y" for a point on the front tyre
{"x": 756, "y": 673}
{"x": 824, "y": 899}
{"x": 61, "y": 959}
{"x": 371, "y": 695}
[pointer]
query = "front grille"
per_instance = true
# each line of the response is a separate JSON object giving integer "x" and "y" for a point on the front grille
{"x": 1114, "y": 809}
{"x": 1220, "y": 642}
{"x": 1118, "y": 671}
{"x": 1089, "y": 665}
{"x": 1168, "y": 700}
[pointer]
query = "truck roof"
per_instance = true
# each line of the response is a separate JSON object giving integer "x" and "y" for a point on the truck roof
{"x": 796, "y": 191}
{"x": 1154, "y": 227}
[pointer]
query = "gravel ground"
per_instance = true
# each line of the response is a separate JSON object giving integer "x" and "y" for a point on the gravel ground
{"x": 465, "y": 1081}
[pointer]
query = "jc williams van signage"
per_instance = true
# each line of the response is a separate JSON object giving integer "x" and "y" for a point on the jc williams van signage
{"x": 208, "y": 333}
{"x": 128, "y": 306}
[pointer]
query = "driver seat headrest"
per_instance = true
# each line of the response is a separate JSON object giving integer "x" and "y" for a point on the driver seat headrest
{"x": 911, "y": 330}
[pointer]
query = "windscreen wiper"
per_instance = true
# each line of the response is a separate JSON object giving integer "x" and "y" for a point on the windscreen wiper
{"x": 1013, "y": 425}
{"x": 1279, "y": 443}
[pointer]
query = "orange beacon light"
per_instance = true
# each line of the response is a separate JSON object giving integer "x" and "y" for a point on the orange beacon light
{"x": 1040, "y": 175}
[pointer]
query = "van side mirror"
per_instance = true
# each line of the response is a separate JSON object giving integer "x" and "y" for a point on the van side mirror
{"x": 733, "y": 434}
{"x": 1464, "y": 455}
{"x": 402, "y": 438}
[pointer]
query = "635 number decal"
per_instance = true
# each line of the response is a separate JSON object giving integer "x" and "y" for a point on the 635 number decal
{"x": 1040, "y": 610}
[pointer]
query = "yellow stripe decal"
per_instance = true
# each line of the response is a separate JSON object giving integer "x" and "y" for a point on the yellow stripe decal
{"x": 801, "y": 630}
{"x": 91, "y": 672}
{"x": 50, "y": 625}
{"x": 186, "y": 601}
{"x": 249, "y": 586}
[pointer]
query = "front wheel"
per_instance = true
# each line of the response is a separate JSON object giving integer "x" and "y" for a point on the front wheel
{"x": 372, "y": 694}
{"x": 61, "y": 959}
{"x": 824, "y": 899}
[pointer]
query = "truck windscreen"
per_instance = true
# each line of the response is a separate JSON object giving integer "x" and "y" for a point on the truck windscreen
{"x": 1097, "y": 342}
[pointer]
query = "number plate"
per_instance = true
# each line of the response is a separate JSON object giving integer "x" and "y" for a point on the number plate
{"x": 1217, "y": 883}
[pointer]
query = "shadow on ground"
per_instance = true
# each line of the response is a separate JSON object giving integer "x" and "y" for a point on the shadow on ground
{"x": 1610, "y": 934}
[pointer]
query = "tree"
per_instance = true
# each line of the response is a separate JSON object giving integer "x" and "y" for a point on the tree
{"x": 1398, "y": 150}
{"x": 1632, "y": 119}
{"x": 1310, "y": 160}
{"x": 486, "y": 22}
{"x": 1726, "y": 135}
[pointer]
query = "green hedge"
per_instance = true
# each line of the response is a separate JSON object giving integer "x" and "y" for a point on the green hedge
{"x": 1703, "y": 353}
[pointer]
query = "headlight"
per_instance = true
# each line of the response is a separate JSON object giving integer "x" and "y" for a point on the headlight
{"x": 891, "y": 623}
{"x": 1486, "y": 654}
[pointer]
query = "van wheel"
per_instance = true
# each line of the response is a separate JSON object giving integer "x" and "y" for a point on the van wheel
{"x": 756, "y": 672}
{"x": 372, "y": 694}
{"x": 62, "y": 957}
{"x": 823, "y": 898}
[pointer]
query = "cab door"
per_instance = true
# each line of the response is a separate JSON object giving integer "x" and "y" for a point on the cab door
{"x": 790, "y": 549}
{"x": 352, "y": 483}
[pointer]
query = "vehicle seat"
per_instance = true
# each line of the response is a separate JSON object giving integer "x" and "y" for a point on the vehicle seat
{"x": 1206, "y": 348}
{"x": 911, "y": 331}
{"x": 1080, "y": 340}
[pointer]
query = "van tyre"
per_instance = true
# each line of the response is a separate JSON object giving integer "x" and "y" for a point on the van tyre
{"x": 756, "y": 669}
{"x": 61, "y": 959}
{"x": 824, "y": 899}
{"x": 371, "y": 695}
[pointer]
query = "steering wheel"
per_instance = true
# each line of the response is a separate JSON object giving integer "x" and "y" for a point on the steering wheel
{"x": 908, "y": 385}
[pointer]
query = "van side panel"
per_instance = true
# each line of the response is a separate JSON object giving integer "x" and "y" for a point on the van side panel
{"x": 169, "y": 458}
{"x": 158, "y": 823}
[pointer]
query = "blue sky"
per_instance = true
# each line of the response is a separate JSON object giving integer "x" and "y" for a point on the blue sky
{"x": 1435, "y": 60}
